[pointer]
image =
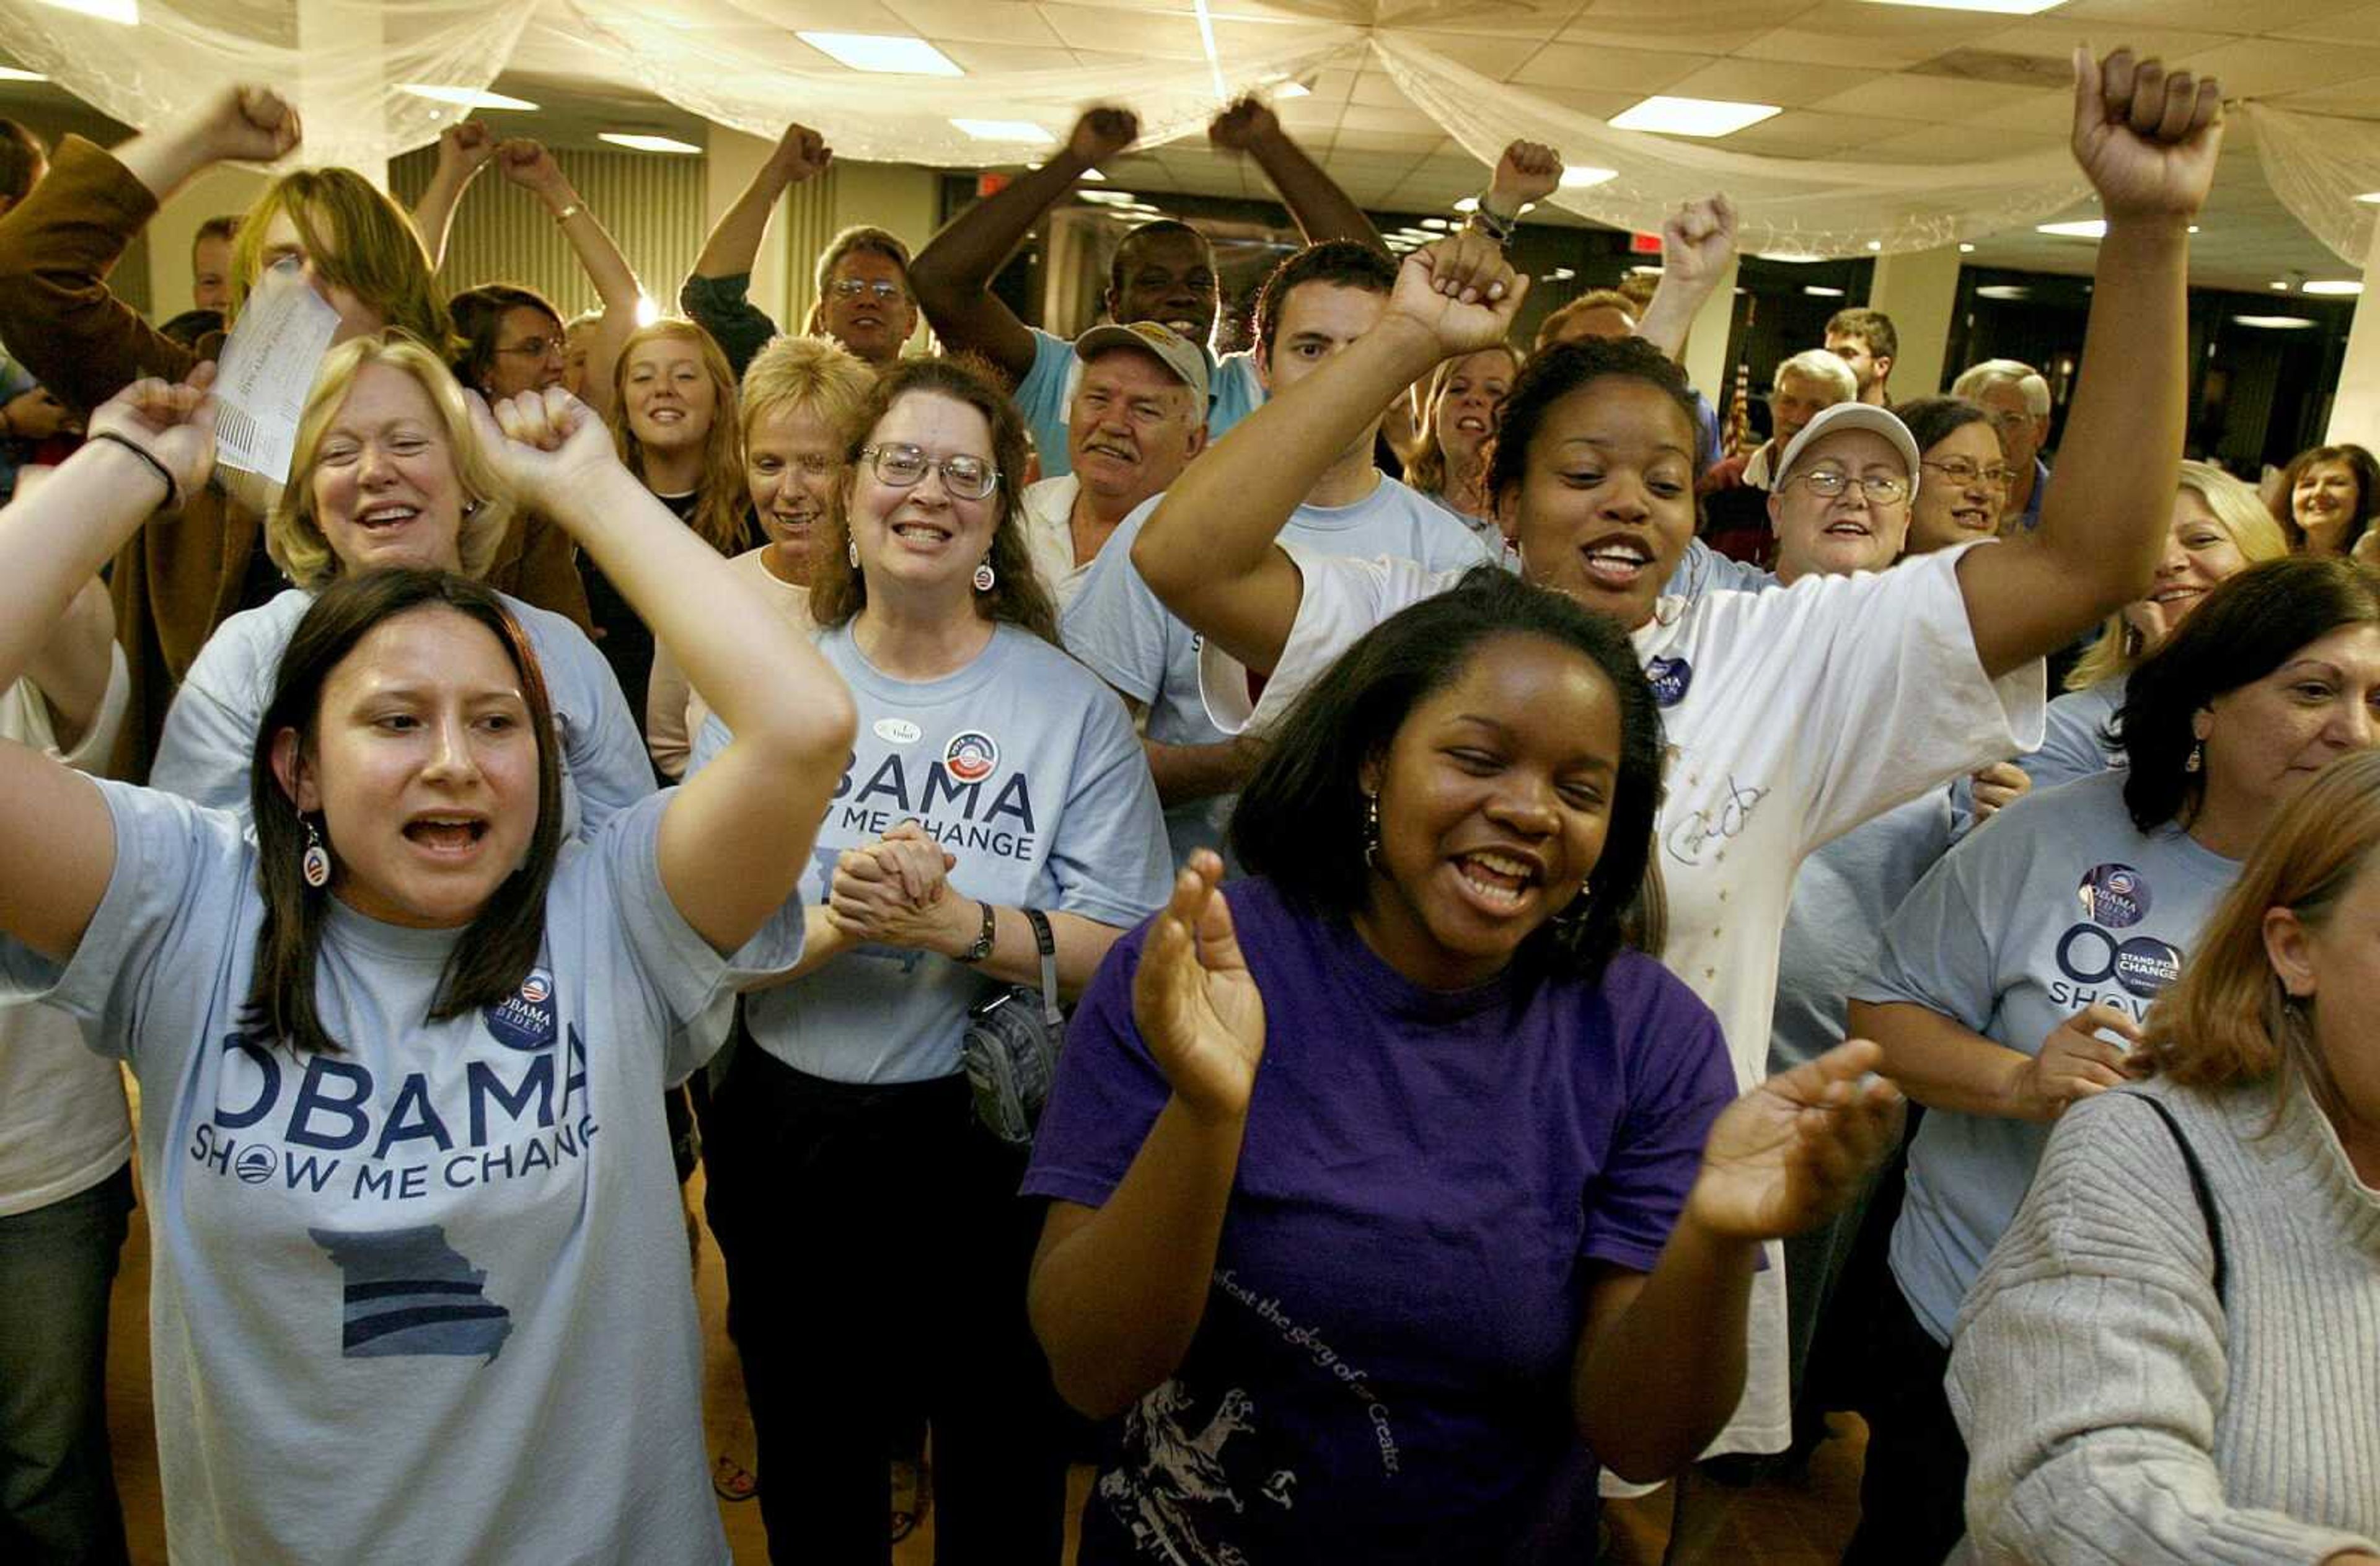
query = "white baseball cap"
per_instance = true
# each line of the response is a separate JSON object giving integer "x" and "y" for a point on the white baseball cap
{"x": 1852, "y": 416}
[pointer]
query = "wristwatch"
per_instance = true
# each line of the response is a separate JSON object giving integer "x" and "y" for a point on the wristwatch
{"x": 982, "y": 947}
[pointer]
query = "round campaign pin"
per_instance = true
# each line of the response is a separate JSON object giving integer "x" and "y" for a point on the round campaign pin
{"x": 2116, "y": 896}
{"x": 1671, "y": 678}
{"x": 2146, "y": 965}
{"x": 524, "y": 1020}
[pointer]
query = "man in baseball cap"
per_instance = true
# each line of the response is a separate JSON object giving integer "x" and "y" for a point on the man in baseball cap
{"x": 1137, "y": 417}
{"x": 1839, "y": 501}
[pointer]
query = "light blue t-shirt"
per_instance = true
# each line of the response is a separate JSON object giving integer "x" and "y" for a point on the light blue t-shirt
{"x": 424, "y": 1300}
{"x": 2073, "y": 744}
{"x": 1124, "y": 635}
{"x": 2061, "y": 902}
{"x": 210, "y": 738}
{"x": 1022, "y": 766}
{"x": 1044, "y": 396}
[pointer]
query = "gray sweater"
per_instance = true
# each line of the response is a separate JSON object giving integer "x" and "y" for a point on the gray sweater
{"x": 2118, "y": 1413}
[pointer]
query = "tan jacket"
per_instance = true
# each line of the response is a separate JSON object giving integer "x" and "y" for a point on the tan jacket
{"x": 184, "y": 573}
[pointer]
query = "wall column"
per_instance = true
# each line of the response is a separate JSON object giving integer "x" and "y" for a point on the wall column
{"x": 2355, "y": 407}
{"x": 1919, "y": 291}
{"x": 1708, "y": 369}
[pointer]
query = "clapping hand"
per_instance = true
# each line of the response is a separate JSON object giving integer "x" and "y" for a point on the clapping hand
{"x": 2146, "y": 137}
{"x": 1194, "y": 1000}
{"x": 1794, "y": 1149}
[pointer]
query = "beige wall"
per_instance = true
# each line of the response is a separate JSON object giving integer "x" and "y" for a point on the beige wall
{"x": 1919, "y": 292}
{"x": 212, "y": 194}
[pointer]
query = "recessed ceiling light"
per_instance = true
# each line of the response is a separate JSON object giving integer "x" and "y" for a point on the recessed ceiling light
{"x": 2004, "y": 291}
{"x": 10, "y": 73}
{"x": 888, "y": 53}
{"x": 1998, "y": 7}
{"x": 2193, "y": 229}
{"x": 1966, "y": 249}
{"x": 1435, "y": 223}
{"x": 1646, "y": 271}
{"x": 1562, "y": 274}
{"x": 2081, "y": 228}
{"x": 639, "y": 141}
{"x": 1110, "y": 197}
{"x": 1816, "y": 291}
{"x": 1468, "y": 204}
{"x": 1875, "y": 246}
{"x": 1692, "y": 116}
{"x": 125, "y": 11}
{"x": 2278, "y": 284}
{"x": 1792, "y": 258}
{"x": 1092, "y": 174}
{"x": 468, "y": 97}
{"x": 2275, "y": 323}
{"x": 1580, "y": 179}
{"x": 2371, "y": 196}
{"x": 2334, "y": 285}
{"x": 1003, "y": 130}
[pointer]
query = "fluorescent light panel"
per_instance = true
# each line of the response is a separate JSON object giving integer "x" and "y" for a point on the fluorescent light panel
{"x": 127, "y": 12}
{"x": 2333, "y": 286}
{"x": 1293, "y": 89}
{"x": 1581, "y": 178}
{"x": 886, "y": 52}
{"x": 1792, "y": 258}
{"x": 2081, "y": 228}
{"x": 2274, "y": 322}
{"x": 1818, "y": 292}
{"x": 468, "y": 97}
{"x": 639, "y": 141}
{"x": 10, "y": 73}
{"x": 1693, "y": 117}
{"x": 1998, "y": 7}
{"x": 1003, "y": 130}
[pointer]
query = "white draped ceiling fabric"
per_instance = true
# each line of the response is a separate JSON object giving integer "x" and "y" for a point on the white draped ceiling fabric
{"x": 737, "y": 63}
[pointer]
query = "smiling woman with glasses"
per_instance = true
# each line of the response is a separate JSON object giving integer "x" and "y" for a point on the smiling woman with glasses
{"x": 997, "y": 813}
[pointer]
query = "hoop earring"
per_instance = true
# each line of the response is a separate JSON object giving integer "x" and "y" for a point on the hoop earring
{"x": 983, "y": 577}
{"x": 1372, "y": 830}
{"x": 2197, "y": 758}
{"x": 314, "y": 864}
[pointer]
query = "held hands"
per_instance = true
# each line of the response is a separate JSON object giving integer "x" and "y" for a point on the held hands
{"x": 174, "y": 424}
{"x": 801, "y": 153}
{"x": 2074, "y": 1062}
{"x": 1529, "y": 171}
{"x": 249, "y": 124}
{"x": 896, "y": 892}
{"x": 1462, "y": 291}
{"x": 1698, "y": 242}
{"x": 543, "y": 444}
{"x": 1794, "y": 1149}
{"x": 465, "y": 148}
{"x": 1243, "y": 126}
{"x": 1997, "y": 786}
{"x": 2146, "y": 137}
{"x": 1195, "y": 1001}
{"x": 1102, "y": 133}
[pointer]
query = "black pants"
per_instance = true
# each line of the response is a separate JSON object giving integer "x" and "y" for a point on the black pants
{"x": 877, "y": 1254}
{"x": 1912, "y": 1495}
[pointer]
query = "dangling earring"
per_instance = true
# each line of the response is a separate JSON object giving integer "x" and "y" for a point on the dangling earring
{"x": 851, "y": 546}
{"x": 1579, "y": 906}
{"x": 983, "y": 577}
{"x": 315, "y": 863}
{"x": 2197, "y": 756}
{"x": 1372, "y": 830}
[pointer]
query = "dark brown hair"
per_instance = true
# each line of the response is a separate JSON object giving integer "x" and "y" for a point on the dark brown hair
{"x": 2356, "y": 460}
{"x": 502, "y": 942}
{"x": 478, "y": 321}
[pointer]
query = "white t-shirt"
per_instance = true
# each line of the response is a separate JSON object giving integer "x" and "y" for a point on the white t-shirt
{"x": 1793, "y": 716}
{"x": 675, "y": 709}
{"x": 424, "y": 1300}
{"x": 1049, "y": 536}
{"x": 64, "y": 1126}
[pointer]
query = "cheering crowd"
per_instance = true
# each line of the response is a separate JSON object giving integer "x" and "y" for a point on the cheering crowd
{"x": 1571, "y": 966}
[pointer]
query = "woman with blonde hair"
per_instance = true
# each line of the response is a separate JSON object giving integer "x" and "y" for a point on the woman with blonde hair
{"x": 339, "y": 234}
{"x": 1449, "y": 459}
{"x": 800, "y": 398}
{"x": 672, "y": 417}
{"x": 2219, "y": 529}
{"x": 2174, "y": 1354}
{"x": 388, "y": 471}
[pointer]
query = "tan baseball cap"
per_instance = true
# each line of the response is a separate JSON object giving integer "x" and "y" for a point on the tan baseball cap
{"x": 1175, "y": 351}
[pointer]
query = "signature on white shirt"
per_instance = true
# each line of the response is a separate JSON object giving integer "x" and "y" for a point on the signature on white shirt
{"x": 1698, "y": 829}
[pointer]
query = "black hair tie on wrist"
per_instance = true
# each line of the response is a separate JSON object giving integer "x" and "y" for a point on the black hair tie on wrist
{"x": 173, "y": 491}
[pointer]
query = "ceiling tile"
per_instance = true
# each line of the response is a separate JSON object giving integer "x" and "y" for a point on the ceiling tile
{"x": 1806, "y": 133}
{"x": 1601, "y": 105}
{"x": 1098, "y": 26}
{"x": 1765, "y": 81}
{"x": 978, "y": 58}
{"x": 1373, "y": 89}
{"x": 2261, "y": 67}
{"x": 1490, "y": 55}
{"x": 1415, "y": 143}
{"x": 2215, "y": 16}
{"x": 1620, "y": 71}
{"x": 1934, "y": 98}
{"x": 975, "y": 21}
{"x": 2359, "y": 24}
{"x": 1954, "y": 143}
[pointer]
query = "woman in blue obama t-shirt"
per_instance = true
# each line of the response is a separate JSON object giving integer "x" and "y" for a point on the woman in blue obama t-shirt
{"x": 1384, "y": 1181}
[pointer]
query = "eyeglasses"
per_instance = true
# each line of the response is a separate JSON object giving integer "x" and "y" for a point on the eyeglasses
{"x": 1828, "y": 482}
{"x": 532, "y": 347}
{"x": 852, "y": 287}
{"x": 1961, "y": 472}
{"x": 969, "y": 477}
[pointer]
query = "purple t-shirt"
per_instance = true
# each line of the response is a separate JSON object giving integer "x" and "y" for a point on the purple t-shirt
{"x": 1383, "y": 1371}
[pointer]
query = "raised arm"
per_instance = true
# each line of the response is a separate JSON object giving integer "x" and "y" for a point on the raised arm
{"x": 1697, "y": 247}
{"x": 57, "y": 836}
{"x": 736, "y": 837}
{"x": 58, "y": 245}
{"x": 464, "y": 149}
{"x": 734, "y": 240}
{"x": 531, "y": 167}
{"x": 952, "y": 275}
{"x": 2148, "y": 141}
{"x": 1208, "y": 551}
{"x": 1315, "y": 204}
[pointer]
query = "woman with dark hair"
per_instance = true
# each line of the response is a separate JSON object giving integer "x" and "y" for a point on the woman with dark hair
{"x": 1449, "y": 459}
{"x": 1509, "y": 1136}
{"x": 2326, "y": 499}
{"x": 996, "y": 825}
{"x": 2014, "y": 978}
{"x": 2174, "y": 1354}
{"x": 339, "y": 234}
{"x": 419, "y": 1286}
{"x": 1792, "y": 711}
{"x": 1966, "y": 477}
